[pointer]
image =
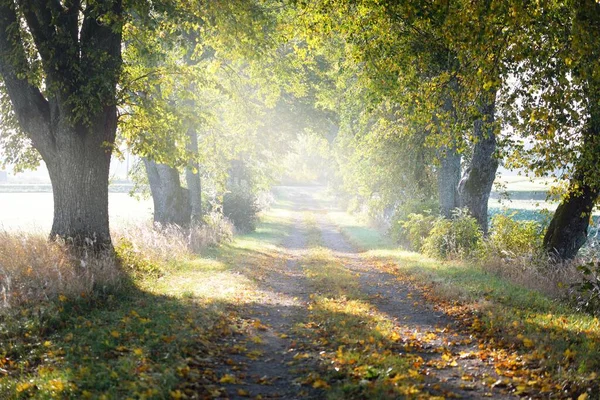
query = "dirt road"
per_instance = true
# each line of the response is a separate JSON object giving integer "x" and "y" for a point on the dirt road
{"x": 293, "y": 349}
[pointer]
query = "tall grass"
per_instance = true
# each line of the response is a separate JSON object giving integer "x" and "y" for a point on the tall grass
{"x": 34, "y": 269}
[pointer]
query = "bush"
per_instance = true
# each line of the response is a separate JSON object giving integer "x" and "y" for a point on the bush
{"x": 416, "y": 228}
{"x": 457, "y": 237}
{"x": 404, "y": 220}
{"x": 150, "y": 248}
{"x": 512, "y": 238}
{"x": 240, "y": 206}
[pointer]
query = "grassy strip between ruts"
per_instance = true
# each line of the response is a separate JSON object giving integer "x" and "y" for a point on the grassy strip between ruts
{"x": 545, "y": 347}
{"x": 154, "y": 338}
{"x": 359, "y": 347}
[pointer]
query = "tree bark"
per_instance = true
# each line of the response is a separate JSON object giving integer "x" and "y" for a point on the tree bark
{"x": 448, "y": 180}
{"x": 568, "y": 229}
{"x": 192, "y": 177}
{"x": 476, "y": 185}
{"x": 171, "y": 201}
{"x": 79, "y": 176}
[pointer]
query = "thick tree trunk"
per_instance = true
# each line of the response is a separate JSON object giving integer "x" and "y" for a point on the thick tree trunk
{"x": 192, "y": 178}
{"x": 448, "y": 180}
{"x": 568, "y": 229}
{"x": 171, "y": 201}
{"x": 79, "y": 173}
{"x": 71, "y": 116}
{"x": 476, "y": 185}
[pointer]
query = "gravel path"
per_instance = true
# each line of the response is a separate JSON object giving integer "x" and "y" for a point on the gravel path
{"x": 276, "y": 371}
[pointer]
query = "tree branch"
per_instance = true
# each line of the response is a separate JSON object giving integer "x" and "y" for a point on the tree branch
{"x": 30, "y": 106}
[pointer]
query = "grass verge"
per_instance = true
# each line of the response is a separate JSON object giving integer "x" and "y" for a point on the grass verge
{"x": 161, "y": 333}
{"x": 546, "y": 347}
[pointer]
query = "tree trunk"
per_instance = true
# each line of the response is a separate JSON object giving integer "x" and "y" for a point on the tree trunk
{"x": 476, "y": 186}
{"x": 171, "y": 201}
{"x": 192, "y": 177}
{"x": 568, "y": 229}
{"x": 448, "y": 180}
{"x": 79, "y": 173}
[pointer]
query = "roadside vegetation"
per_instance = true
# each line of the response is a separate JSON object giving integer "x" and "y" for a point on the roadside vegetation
{"x": 156, "y": 325}
{"x": 501, "y": 291}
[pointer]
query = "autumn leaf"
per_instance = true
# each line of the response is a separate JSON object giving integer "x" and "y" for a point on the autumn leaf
{"x": 228, "y": 379}
{"x": 320, "y": 384}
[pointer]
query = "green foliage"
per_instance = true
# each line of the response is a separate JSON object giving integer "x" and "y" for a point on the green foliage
{"x": 458, "y": 237}
{"x": 586, "y": 293}
{"x": 241, "y": 208}
{"x": 510, "y": 237}
{"x": 309, "y": 159}
{"x": 415, "y": 229}
{"x": 412, "y": 222}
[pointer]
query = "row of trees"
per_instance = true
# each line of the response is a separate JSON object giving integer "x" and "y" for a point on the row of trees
{"x": 414, "y": 95}
{"x": 194, "y": 87}
{"x": 436, "y": 93}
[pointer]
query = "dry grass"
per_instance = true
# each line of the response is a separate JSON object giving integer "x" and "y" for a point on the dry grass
{"x": 535, "y": 271}
{"x": 33, "y": 269}
{"x": 164, "y": 244}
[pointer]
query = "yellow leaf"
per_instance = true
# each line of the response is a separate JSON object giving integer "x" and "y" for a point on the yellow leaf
{"x": 570, "y": 354}
{"x": 320, "y": 384}
{"x": 47, "y": 343}
{"x": 57, "y": 385}
{"x": 583, "y": 396}
{"x": 138, "y": 351}
{"x": 115, "y": 334}
{"x": 227, "y": 379}
{"x": 23, "y": 386}
{"x": 527, "y": 342}
{"x": 176, "y": 395}
{"x": 62, "y": 298}
{"x": 243, "y": 393}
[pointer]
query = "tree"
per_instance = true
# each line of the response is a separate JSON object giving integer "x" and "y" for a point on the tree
{"x": 559, "y": 114}
{"x": 67, "y": 105}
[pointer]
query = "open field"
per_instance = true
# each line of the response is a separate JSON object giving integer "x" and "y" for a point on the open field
{"x": 33, "y": 211}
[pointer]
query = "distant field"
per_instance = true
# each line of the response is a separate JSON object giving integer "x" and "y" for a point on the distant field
{"x": 33, "y": 211}
{"x": 47, "y": 188}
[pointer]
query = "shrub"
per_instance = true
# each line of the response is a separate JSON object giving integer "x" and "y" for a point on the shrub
{"x": 512, "y": 238}
{"x": 457, "y": 237}
{"x": 404, "y": 220}
{"x": 241, "y": 208}
{"x": 215, "y": 229}
{"x": 416, "y": 228}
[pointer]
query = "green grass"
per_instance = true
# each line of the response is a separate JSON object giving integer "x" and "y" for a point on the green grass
{"x": 155, "y": 338}
{"x": 527, "y": 323}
